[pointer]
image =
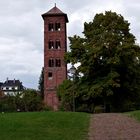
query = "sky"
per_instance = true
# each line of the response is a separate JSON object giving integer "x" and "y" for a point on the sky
{"x": 21, "y": 31}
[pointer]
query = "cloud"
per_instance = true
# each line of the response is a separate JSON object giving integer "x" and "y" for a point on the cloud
{"x": 21, "y": 41}
{"x": 19, "y": 58}
{"x": 21, "y": 28}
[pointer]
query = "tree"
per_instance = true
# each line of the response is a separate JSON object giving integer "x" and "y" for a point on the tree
{"x": 109, "y": 60}
{"x": 41, "y": 83}
{"x": 27, "y": 100}
{"x": 7, "y": 104}
{"x": 64, "y": 92}
{"x": 31, "y": 100}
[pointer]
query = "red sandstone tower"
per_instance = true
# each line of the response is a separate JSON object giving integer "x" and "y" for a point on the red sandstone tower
{"x": 55, "y": 46}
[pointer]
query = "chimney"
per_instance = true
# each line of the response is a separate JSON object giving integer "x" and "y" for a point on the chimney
{"x": 7, "y": 80}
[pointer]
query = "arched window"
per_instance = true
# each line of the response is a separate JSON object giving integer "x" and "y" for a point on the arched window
{"x": 57, "y": 44}
{"x": 57, "y": 27}
{"x": 51, "y": 27}
{"x": 51, "y": 44}
{"x": 51, "y": 62}
{"x": 50, "y": 75}
{"x": 57, "y": 62}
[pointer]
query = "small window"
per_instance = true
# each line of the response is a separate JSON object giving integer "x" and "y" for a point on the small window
{"x": 51, "y": 27}
{"x": 58, "y": 63}
{"x": 51, "y": 62}
{"x": 57, "y": 26}
{"x": 50, "y": 76}
{"x": 7, "y": 88}
{"x": 51, "y": 44}
{"x": 57, "y": 44}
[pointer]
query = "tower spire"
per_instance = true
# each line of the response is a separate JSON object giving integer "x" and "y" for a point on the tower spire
{"x": 55, "y": 4}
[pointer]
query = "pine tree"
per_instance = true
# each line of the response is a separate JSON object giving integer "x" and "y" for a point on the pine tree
{"x": 41, "y": 83}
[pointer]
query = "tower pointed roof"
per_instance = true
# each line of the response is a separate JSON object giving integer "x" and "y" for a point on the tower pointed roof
{"x": 55, "y": 12}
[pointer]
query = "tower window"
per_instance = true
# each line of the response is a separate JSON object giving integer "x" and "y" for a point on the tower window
{"x": 57, "y": 26}
{"x": 51, "y": 44}
{"x": 50, "y": 75}
{"x": 51, "y": 27}
{"x": 51, "y": 62}
{"x": 57, "y": 44}
{"x": 58, "y": 63}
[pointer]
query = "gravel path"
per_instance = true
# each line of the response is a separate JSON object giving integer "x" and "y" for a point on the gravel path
{"x": 113, "y": 126}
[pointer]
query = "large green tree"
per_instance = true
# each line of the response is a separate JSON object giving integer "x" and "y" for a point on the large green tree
{"x": 109, "y": 59}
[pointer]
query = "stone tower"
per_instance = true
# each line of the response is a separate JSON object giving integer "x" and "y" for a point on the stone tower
{"x": 55, "y": 46}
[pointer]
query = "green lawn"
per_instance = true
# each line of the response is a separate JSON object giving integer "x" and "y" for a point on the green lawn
{"x": 44, "y": 126}
{"x": 134, "y": 114}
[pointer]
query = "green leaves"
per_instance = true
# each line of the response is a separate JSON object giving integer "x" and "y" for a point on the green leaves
{"x": 41, "y": 83}
{"x": 77, "y": 47}
{"x": 109, "y": 60}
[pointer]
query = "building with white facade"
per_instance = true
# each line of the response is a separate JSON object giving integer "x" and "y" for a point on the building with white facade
{"x": 11, "y": 87}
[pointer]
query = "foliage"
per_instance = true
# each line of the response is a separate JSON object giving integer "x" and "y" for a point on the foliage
{"x": 65, "y": 93}
{"x": 109, "y": 59}
{"x": 31, "y": 100}
{"x": 134, "y": 114}
{"x": 28, "y": 100}
{"x": 41, "y": 83}
{"x": 44, "y": 125}
{"x": 7, "y": 103}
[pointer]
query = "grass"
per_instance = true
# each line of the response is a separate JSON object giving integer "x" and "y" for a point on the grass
{"x": 44, "y": 126}
{"x": 134, "y": 114}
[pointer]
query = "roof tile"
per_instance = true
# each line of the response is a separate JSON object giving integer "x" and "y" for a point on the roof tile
{"x": 55, "y": 12}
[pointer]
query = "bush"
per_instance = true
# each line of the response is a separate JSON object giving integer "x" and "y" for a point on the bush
{"x": 99, "y": 109}
{"x": 28, "y": 100}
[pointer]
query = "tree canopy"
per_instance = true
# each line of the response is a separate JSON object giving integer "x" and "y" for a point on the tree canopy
{"x": 27, "y": 100}
{"x": 109, "y": 58}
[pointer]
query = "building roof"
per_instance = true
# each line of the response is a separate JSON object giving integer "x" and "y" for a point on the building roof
{"x": 55, "y": 12}
{"x": 12, "y": 83}
{"x": 1, "y": 84}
